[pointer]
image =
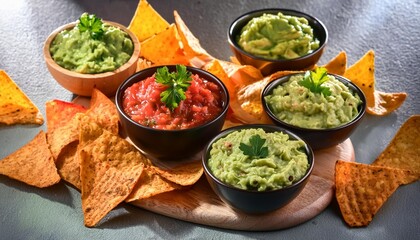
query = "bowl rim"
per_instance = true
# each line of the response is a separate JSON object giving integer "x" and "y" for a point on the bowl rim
{"x": 292, "y": 12}
{"x": 50, "y": 61}
{"x": 270, "y": 86}
{"x": 132, "y": 80}
{"x": 225, "y": 132}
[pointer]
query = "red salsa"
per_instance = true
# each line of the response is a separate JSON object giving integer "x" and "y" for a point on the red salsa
{"x": 142, "y": 102}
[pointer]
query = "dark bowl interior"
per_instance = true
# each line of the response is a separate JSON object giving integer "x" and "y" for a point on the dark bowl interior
{"x": 268, "y": 66}
{"x": 170, "y": 144}
{"x": 250, "y": 201}
{"x": 318, "y": 138}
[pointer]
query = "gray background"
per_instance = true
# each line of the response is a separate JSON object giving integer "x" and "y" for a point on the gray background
{"x": 390, "y": 28}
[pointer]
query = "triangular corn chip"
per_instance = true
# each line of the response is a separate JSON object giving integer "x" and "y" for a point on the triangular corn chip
{"x": 362, "y": 73}
{"x": 143, "y": 63}
{"x": 103, "y": 111}
{"x": 109, "y": 169}
{"x": 184, "y": 175}
{"x": 151, "y": 184}
{"x": 15, "y": 106}
{"x": 32, "y": 164}
{"x": 68, "y": 165}
{"x": 60, "y": 112}
{"x": 404, "y": 149}
{"x": 146, "y": 22}
{"x": 362, "y": 189}
{"x": 164, "y": 48}
{"x": 190, "y": 43}
{"x": 60, "y": 137}
{"x": 338, "y": 64}
{"x": 386, "y": 103}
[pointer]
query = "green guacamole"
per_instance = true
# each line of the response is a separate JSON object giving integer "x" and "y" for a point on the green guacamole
{"x": 278, "y": 37}
{"x": 78, "y": 52}
{"x": 300, "y": 107}
{"x": 285, "y": 164}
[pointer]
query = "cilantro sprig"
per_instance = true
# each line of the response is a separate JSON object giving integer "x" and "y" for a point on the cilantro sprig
{"x": 313, "y": 81}
{"x": 92, "y": 24}
{"x": 177, "y": 82}
{"x": 255, "y": 149}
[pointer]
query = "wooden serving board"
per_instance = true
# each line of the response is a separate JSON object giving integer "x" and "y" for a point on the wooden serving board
{"x": 201, "y": 205}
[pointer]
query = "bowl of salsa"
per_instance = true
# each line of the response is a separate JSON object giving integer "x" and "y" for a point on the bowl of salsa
{"x": 170, "y": 112}
{"x": 91, "y": 53}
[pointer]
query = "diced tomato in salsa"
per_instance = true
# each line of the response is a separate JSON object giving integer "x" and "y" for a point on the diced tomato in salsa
{"x": 142, "y": 103}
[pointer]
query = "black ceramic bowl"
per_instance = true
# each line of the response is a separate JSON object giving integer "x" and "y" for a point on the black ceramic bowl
{"x": 318, "y": 138}
{"x": 250, "y": 201}
{"x": 170, "y": 144}
{"x": 268, "y": 66}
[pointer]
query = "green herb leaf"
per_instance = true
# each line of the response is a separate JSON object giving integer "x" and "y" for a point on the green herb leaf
{"x": 255, "y": 149}
{"x": 177, "y": 82}
{"x": 92, "y": 24}
{"x": 313, "y": 80}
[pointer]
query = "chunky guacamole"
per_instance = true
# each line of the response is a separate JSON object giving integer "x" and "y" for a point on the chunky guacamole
{"x": 78, "y": 51}
{"x": 284, "y": 163}
{"x": 298, "y": 106}
{"x": 278, "y": 37}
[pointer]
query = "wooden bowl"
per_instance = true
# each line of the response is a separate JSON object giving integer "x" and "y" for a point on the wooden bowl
{"x": 83, "y": 84}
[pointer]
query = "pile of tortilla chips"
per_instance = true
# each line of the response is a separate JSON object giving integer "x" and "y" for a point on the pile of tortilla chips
{"x": 82, "y": 147}
{"x": 15, "y": 106}
{"x": 362, "y": 189}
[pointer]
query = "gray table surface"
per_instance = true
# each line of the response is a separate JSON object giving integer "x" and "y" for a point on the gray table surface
{"x": 390, "y": 28}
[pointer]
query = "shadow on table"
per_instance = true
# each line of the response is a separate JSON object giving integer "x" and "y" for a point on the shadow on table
{"x": 57, "y": 193}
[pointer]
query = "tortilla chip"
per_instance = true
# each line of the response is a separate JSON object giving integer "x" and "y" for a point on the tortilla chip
{"x": 386, "y": 103}
{"x": 338, "y": 64}
{"x": 241, "y": 75}
{"x": 249, "y": 97}
{"x": 191, "y": 44}
{"x": 362, "y": 73}
{"x": 215, "y": 68}
{"x": 404, "y": 149}
{"x": 234, "y": 60}
{"x": 32, "y": 164}
{"x": 15, "y": 106}
{"x": 236, "y": 78}
{"x": 89, "y": 130}
{"x": 142, "y": 64}
{"x": 164, "y": 48}
{"x": 146, "y": 22}
{"x": 151, "y": 184}
{"x": 184, "y": 175}
{"x": 68, "y": 165}
{"x": 362, "y": 189}
{"x": 60, "y": 137}
{"x": 110, "y": 167}
{"x": 60, "y": 112}
{"x": 103, "y": 111}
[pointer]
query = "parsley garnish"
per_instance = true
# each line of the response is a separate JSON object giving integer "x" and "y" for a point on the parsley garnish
{"x": 255, "y": 149}
{"x": 313, "y": 81}
{"x": 92, "y": 24}
{"x": 177, "y": 82}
